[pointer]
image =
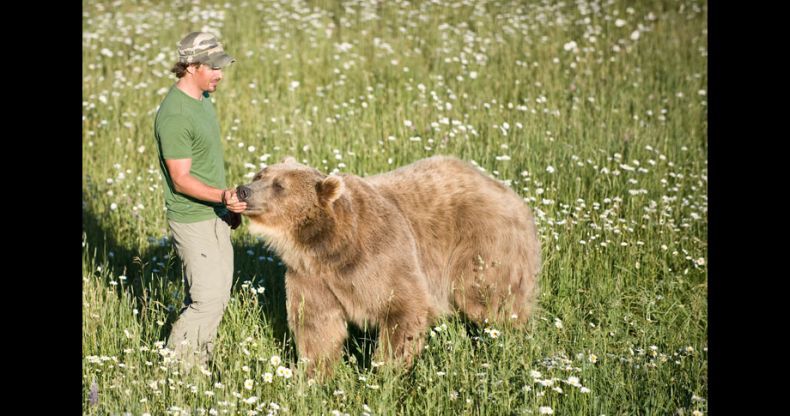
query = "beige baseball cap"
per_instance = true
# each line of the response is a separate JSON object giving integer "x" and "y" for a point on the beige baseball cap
{"x": 203, "y": 47}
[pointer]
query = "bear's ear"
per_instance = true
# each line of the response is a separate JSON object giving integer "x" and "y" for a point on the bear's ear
{"x": 288, "y": 159}
{"x": 330, "y": 189}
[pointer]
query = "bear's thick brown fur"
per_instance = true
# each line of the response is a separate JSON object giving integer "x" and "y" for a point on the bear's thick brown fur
{"x": 395, "y": 250}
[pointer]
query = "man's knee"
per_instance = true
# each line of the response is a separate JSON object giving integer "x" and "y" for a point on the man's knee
{"x": 208, "y": 304}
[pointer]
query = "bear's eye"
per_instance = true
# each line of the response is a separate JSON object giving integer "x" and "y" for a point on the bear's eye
{"x": 277, "y": 186}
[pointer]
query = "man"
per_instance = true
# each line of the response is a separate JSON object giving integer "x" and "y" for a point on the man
{"x": 200, "y": 210}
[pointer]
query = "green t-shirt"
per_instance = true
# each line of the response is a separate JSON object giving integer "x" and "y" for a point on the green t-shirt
{"x": 186, "y": 128}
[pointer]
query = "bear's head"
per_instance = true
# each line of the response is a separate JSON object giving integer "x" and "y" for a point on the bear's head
{"x": 289, "y": 199}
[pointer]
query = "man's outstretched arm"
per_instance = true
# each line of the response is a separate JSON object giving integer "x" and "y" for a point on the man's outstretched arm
{"x": 189, "y": 185}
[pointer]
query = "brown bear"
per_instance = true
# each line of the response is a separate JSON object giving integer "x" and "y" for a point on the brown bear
{"x": 395, "y": 250}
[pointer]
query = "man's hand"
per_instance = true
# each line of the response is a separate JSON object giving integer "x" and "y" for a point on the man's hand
{"x": 234, "y": 206}
{"x": 231, "y": 201}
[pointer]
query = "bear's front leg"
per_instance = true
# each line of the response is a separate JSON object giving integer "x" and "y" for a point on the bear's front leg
{"x": 317, "y": 323}
{"x": 402, "y": 336}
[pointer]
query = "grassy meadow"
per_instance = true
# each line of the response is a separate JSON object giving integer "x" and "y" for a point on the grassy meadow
{"x": 593, "y": 111}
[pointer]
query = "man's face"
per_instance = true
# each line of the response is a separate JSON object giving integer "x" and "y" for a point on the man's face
{"x": 207, "y": 78}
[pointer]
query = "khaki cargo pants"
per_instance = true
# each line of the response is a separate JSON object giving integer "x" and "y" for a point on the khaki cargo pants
{"x": 207, "y": 256}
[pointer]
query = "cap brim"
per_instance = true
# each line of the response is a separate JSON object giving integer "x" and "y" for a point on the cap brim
{"x": 220, "y": 60}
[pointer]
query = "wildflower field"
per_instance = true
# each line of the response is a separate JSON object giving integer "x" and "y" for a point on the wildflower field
{"x": 593, "y": 111}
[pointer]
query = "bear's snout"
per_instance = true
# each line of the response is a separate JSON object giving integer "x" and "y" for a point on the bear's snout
{"x": 243, "y": 192}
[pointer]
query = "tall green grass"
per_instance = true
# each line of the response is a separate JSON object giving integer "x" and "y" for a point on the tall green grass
{"x": 594, "y": 112}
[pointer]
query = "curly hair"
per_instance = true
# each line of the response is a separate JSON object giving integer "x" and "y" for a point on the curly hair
{"x": 180, "y": 68}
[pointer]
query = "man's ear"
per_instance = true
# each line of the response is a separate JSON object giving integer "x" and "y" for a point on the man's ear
{"x": 330, "y": 189}
{"x": 288, "y": 159}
